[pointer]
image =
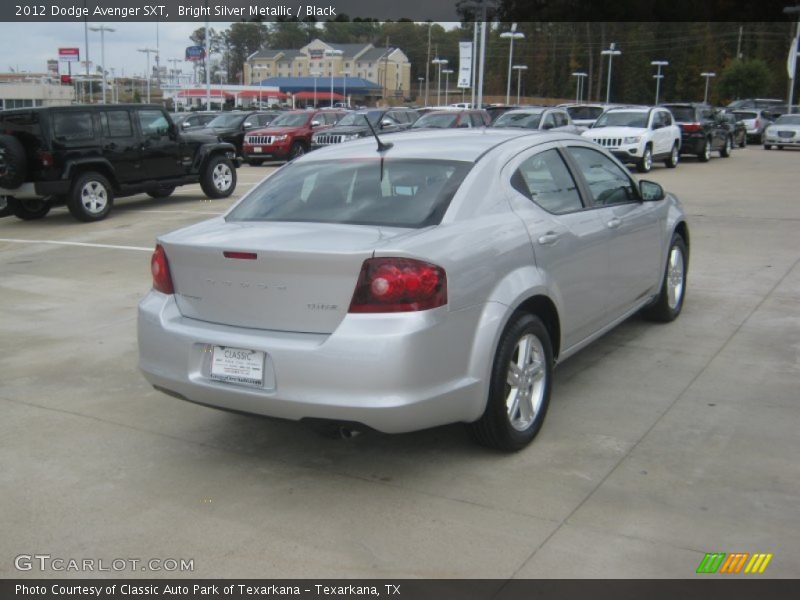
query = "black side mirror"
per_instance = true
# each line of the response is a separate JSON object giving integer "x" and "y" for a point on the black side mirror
{"x": 650, "y": 191}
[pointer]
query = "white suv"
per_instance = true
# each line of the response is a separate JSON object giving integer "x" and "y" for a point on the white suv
{"x": 638, "y": 135}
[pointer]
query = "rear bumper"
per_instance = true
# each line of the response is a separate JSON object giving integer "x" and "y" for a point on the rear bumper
{"x": 693, "y": 143}
{"x": 394, "y": 373}
{"x": 39, "y": 189}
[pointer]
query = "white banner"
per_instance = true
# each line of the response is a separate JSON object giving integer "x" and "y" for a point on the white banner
{"x": 791, "y": 63}
{"x": 465, "y": 64}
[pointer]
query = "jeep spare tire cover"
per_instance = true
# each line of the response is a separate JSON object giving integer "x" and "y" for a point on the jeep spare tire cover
{"x": 12, "y": 162}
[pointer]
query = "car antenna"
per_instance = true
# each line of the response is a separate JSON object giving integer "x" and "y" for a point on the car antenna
{"x": 382, "y": 147}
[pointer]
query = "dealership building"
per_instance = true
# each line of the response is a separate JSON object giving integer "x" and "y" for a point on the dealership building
{"x": 360, "y": 70}
{"x": 22, "y": 90}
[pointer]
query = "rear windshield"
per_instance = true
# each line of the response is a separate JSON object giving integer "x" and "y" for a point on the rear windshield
{"x": 622, "y": 119}
{"x": 743, "y": 116}
{"x": 584, "y": 112}
{"x": 392, "y": 193}
{"x": 515, "y": 119}
{"x": 682, "y": 114}
{"x": 437, "y": 120}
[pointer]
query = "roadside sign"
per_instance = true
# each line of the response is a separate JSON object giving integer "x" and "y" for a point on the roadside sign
{"x": 465, "y": 64}
{"x": 195, "y": 53}
{"x": 69, "y": 54}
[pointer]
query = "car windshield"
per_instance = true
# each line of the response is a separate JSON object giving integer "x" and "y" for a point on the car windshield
{"x": 374, "y": 117}
{"x": 682, "y": 114}
{"x": 393, "y": 193}
{"x": 622, "y": 119}
{"x": 437, "y": 120}
{"x": 291, "y": 120}
{"x": 788, "y": 120}
{"x": 228, "y": 120}
{"x": 584, "y": 112}
{"x": 526, "y": 120}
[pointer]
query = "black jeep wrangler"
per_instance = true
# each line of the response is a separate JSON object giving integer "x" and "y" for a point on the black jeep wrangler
{"x": 85, "y": 156}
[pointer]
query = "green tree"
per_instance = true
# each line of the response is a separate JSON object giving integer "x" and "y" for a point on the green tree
{"x": 745, "y": 79}
{"x": 241, "y": 40}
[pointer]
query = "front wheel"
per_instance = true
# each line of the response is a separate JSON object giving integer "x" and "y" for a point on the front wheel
{"x": 519, "y": 390}
{"x": 667, "y": 306}
{"x": 29, "y": 210}
{"x": 767, "y": 146}
{"x": 297, "y": 150}
{"x": 725, "y": 151}
{"x": 674, "y": 157}
{"x": 646, "y": 162}
{"x": 91, "y": 197}
{"x": 219, "y": 177}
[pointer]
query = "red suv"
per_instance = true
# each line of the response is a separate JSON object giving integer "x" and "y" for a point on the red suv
{"x": 288, "y": 136}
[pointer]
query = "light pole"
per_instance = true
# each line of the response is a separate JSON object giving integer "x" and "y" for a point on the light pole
{"x": 174, "y": 73}
{"x": 420, "y": 79}
{"x": 519, "y": 69}
{"x": 330, "y": 54}
{"x": 102, "y": 29}
{"x": 258, "y": 69}
{"x": 580, "y": 77}
{"x": 344, "y": 92}
{"x": 658, "y": 76}
{"x": 447, "y": 73}
{"x": 708, "y": 75}
{"x": 511, "y": 36}
{"x": 315, "y": 74}
{"x": 439, "y": 62}
{"x": 148, "y": 51}
{"x": 611, "y": 53}
{"x": 791, "y": 64}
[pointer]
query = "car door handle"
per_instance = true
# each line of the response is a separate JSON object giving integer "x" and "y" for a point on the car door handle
{"x": 549, "y": 238}
{"x": 614, "y": 223}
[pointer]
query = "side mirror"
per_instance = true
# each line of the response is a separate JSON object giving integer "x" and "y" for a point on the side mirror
{"x": 650, "y": 191}
{"x": 185, "y": 125}
{"x": 315, "y": 123}
{"x": 387, "y": 123}
{"x": 249, "y": 125}
{"x": 548, "y": 126}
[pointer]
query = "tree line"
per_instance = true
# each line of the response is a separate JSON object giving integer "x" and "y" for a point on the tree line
{"x": 748, "y": 58}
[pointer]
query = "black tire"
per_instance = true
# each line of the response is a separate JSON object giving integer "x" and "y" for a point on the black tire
{"x": 219, "y": 177}
{"x": 780, "y": 147}
{"x": 13, "y": 162}
{"x": 727, "y": 147}
{"x": 674, "y": 157}
{"x": 162, "y": 192}
{"x": 767, "y": 147}
{"x": 29, "y": 210}
{"x": 91, "y": 197}
{"x": 298, "y": 149}
{"x": 667, "y": 306}
{"x": 705, "y": 152}
{"x": 646, "y": 162}
{"x": 5, "y": 206}
{"x": 495, "y": 428}
{"x": 743, "y": 142}
{"x": 255, "y": 162}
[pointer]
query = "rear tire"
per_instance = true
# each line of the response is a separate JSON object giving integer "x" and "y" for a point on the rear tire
{"x": 743, "y": 142}
{"x": 674, "y": 157}
{"x": 669, "y": 303}
{"x": 13, "y": 162}
{"x": 767, "y": 147}
{"x": 162, "y": 192}
{"x": 29, "y": 210}
{"x": 705, "y": 152}
{"x": 519, "y": 390}
{"x": 219, "y": 177}
{"x": 91, "y": 197}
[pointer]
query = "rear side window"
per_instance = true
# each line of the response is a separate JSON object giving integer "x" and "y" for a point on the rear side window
{"x": 399, "y": 193}
{"x": 73, "y": 126}
{"x": 116, "y": 123}
{"x": 545, "y": 179}
{"x": 608, "y": 182}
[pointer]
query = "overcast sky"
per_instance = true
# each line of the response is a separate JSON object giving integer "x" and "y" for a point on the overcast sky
{"x": 28, "y": 46}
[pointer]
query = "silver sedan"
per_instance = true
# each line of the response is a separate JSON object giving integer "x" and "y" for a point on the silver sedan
{"x": 435, "y": 281}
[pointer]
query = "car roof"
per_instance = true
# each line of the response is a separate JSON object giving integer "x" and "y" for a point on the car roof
{"x": 448, "y": 144}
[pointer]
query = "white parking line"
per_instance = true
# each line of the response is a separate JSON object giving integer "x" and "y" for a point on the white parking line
{"x": 181, "y": 212}
{"x": 83, "y": 244}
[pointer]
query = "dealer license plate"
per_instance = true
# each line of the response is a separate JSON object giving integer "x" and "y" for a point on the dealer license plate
{"x": 257, "y": 149}
{"x": 237, "y": 365}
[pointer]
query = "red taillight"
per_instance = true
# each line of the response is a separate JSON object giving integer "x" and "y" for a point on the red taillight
{"x": 691, "y": 126}
{"x": 239, "y": 255}
{"x": 398, "y": 285}
{"x": 45, "y": 158}
{"x": 159, "y": 266}
{"x": 757, "y": 125}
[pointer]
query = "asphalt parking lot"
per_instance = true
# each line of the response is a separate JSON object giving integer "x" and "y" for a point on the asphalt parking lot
{"x": 663, "y": 442}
